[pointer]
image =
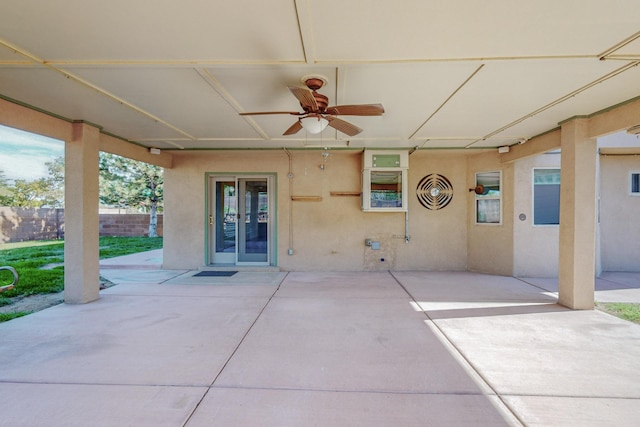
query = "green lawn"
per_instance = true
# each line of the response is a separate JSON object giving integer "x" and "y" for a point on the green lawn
{"x": 29, "y": 258}
{"x": 627, "y": 311}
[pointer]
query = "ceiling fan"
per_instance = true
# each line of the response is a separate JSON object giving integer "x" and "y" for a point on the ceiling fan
{"x": 317, "y": 115}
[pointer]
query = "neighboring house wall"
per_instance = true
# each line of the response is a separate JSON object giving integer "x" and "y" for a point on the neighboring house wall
{"x": 535, "y": 247}
{"x": 22, "y": 224}
{"x": 618, "y": 210}
{"x": 619, "y": 230}
{"x": 328, "y": 234}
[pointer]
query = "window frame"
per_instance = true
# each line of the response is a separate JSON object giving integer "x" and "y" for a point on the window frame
{"x": 533, "y": 200}
{"x": 479, "y": 197}
{"x": 630, "y": 181}
{"x": 401, "y": 168}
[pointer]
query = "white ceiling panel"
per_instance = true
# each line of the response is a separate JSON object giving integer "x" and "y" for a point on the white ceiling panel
{"x": 600, "y": 97}
{"x": 203, "y": 113}
{"x": 161, "y": 30}
{"x": 409, "y": 30}
{"x": 504, "y": 91}
{"x": 52, "y": 92}
{"x": 417, "y": 93}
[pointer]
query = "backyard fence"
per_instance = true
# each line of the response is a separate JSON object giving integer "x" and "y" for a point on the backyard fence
{"x": 21, "y": 224}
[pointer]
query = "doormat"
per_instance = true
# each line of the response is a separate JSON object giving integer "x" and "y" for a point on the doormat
{"x": 215, "y": 274}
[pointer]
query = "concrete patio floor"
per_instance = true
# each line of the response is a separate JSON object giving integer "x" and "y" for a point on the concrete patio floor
{"x": 164, "y": 348}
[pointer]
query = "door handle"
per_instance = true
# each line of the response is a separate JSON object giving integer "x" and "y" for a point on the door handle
{"x": 210, "y": 219}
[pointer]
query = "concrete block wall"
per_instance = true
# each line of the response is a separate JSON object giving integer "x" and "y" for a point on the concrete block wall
{"x": 20, "y": 224}
{"x": 23, "y": 224}
{"x": 130, "y": 225}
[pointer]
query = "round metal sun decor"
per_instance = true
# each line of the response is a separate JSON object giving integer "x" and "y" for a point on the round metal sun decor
{"x": 434, "y": 191}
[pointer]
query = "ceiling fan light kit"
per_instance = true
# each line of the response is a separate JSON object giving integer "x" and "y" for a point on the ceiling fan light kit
{"x": 314, "y": 124}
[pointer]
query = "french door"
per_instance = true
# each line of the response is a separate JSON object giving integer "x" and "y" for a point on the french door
{"x": 239, "y": 220}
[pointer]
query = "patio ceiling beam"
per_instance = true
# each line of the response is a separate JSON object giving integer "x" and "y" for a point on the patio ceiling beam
{"x": 113, "y": 145}
{"x": 26, "y": 118}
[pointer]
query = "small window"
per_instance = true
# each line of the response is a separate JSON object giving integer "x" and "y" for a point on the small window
{"x": 488, "y": 202}
{"x": 386, "y": 189}
{"x": 635, "y": 183}
{"x": 546, "y": 196}
{"x": 384, "y": 181}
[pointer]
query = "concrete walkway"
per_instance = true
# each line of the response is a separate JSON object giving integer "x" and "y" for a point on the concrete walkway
{"x": 164, "y": 348}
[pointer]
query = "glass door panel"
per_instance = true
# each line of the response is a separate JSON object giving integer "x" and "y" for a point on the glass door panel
{"x": 253, "y": 221}
{"x": 223, "y": 221}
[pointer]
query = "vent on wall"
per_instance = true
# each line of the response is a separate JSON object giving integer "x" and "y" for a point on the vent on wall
{"x": 434, "y": 191}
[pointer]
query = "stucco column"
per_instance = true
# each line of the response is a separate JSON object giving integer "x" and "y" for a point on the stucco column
{"x": 576, "y": 269}
{"x": 81, "y": 243}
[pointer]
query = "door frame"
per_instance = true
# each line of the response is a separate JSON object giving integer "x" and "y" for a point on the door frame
{"x": 209, "y": 209}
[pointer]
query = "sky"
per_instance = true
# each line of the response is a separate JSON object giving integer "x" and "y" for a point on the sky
{"x": 23, "y": 155}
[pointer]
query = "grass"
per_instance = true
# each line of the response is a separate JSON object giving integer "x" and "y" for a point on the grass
{"x": 5, "y": 317}
{"x": 626, "y": 311}
{"x": 29, "y": 261}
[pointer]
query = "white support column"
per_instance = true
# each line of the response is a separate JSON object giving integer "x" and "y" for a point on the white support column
{"x": 576, "y": 270}
{"x": 81, "y": 248}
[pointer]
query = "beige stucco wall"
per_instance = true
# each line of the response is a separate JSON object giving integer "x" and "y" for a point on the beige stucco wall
{"x": 490, "y": 246}
{"x": 327, "y": 234}
{"x": 619, "y": 233}
{"x": 535, "y": 246}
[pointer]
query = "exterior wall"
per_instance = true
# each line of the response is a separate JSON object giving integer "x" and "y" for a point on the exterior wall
{"x": 22, "y": 224}
{"x": 490, "y": 246}
{"x": 328, "y": 234}
{"x": 619, "y": 232}
{"x": 535, "y": 247}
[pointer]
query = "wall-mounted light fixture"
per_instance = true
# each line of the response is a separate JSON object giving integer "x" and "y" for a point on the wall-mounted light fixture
{"x": 503, "y": 149}
{"x": 634, "y": 130}
{"x": 154, "y": 150}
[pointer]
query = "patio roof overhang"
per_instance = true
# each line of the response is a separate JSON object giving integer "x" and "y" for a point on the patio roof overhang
{"x": 461, "y": 75}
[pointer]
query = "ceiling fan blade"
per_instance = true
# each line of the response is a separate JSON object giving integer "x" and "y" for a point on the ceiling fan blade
{"x": 259, "y": 113}
{"x": 305, "y": 96}
{"x": 295, "y": 128}
{"x": 356, "y": 110}
{"x": 342, "y": 126}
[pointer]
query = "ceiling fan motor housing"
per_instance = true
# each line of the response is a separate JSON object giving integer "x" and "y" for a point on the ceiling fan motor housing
{"x": 321, "y": 100}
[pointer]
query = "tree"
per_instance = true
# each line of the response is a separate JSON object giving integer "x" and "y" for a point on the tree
{"x": 38, "y": 193}
{"x": 55, "y": 182}
{"x": 30, "y": 194}
{"x": 6, "y": 194}
{"x": 129, "y": 183}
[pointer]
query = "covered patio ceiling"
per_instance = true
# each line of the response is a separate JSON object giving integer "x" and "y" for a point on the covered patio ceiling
{"x": 450, "y": 74}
